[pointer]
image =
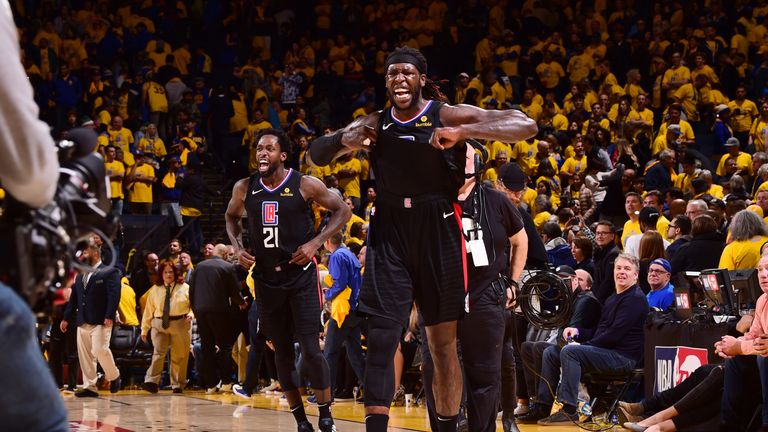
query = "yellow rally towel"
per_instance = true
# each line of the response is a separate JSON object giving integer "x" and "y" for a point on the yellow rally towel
{"x": 340, "y": 306}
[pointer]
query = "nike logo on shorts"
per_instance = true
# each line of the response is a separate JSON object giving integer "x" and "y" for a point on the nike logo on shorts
{"x": 446, "y": 215}
{"x": 307, "y": 266}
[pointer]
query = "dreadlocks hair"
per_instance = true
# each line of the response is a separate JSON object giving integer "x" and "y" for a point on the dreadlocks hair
{"x": 431, "y": 89}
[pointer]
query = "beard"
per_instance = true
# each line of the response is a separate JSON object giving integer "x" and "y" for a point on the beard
{"x": 268, "y": 173}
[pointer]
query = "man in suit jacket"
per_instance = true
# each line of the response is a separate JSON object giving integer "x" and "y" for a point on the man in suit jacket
{"x": 92, "y": 306}
{"x": 214, "y": 290}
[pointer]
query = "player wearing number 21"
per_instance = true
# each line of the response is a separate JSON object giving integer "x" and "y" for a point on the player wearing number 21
{"x": 282, "y": 246}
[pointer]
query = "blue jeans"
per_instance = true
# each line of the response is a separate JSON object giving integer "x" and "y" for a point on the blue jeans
{"x": 574, "y": 359}
{"x": 745, "y": 380}
{"x": 30, "y": 400}
{"x": 348, "y": 334}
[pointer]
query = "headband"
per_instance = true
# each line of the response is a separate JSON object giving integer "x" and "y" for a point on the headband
{"x": 405, "y": 57}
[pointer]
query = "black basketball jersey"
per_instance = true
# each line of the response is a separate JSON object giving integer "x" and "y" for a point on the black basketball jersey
{"x": 279, "y": 221}
{"x": 407, "y": 165}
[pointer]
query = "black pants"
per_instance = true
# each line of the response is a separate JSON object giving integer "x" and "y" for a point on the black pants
{"x": 512, "y": 382}
{"x": 697, "y": 399}
{"x": 216, "y": 329}
{"x": 481, "y": 338}
{"x": 532, "y": 352}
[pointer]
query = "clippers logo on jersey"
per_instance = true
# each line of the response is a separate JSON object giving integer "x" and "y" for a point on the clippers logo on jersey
{"x": 675, "y": 364}
{"x": 269, "y": 213}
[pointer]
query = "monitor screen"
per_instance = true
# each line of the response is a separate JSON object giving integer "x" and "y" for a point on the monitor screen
{"x": 717, "y": 287}
{"x": 746, "y": 285}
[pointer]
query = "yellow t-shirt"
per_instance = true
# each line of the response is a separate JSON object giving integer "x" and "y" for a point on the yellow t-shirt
{"x": 758, "y": 132}
{"x": 498, "y": 146}
{"x": 158, "y": 102}
{"x": 574, "y": 165}
{"x": 716, "y": 191}
{"x": 116, "y": 186}
{"x": 630, "y": 228}
{"x": 662, "y": 226}
{"x": 683, "y": 182}
{"x": 142, "y": 192}
{"x": 743, "y": 162}
{"x": 121, "y": 139}
{"x": 742, "y": 121}
{"x": 127, "y": 306}
{"x": 525, "y": 154}
{"x": 742, "y": 254}
{"x": 659, "y": 144}
{"x": 549, "y": 74}
{"x": 533, "y": 110}
{"x": 152, "y": 146}
{"x": 351, "y": 185}
{"x": 685, "y": 130}
{"x": 579, "y": 67}
{"x": 541, "y": 218}
{"x": 678, "y": 75}
{"x": 509, "y": 66}
{"x": 239, "y": 121}
{"x": 318, "y": 172}
{"x": 352, "y": 220}
{"x": 689, "y": 97}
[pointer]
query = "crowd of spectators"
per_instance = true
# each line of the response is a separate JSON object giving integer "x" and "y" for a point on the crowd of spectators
{"x": 653, "y": 116}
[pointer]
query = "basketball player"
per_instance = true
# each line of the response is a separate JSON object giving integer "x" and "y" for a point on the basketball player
{"x": 415, "y": 244}
{"x": 283, "y": 246}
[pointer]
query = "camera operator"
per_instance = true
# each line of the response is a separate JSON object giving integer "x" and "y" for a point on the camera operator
{"x": 29, "y": 172}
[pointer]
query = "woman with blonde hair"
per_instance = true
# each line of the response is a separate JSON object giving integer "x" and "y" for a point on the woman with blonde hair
{"x": 168, "y": 315}
{"x": 651, "y": 248}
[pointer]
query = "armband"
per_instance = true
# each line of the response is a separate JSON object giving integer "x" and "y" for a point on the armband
{"x": 323, "y": 149}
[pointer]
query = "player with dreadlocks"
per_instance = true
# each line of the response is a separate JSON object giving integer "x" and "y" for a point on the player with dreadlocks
{"x": 416, "y": 250}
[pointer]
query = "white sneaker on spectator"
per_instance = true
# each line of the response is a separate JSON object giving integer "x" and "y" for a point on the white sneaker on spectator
{"x": 521, "y": 409}
{"x": 273, "y": 384}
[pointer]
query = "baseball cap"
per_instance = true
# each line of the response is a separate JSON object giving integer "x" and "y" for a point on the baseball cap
{"x": 720, "y": 108}
{"x": 86, "y": 121}
{"x": 464, "y": 75}
{"x": 512, "y": 176}
{"x": 732, "y": 141}
{"x": 649, "y": 216}
{"x": 674, "y": 128}
{"x": 565, "y": 270}
{"x": 664, "y": 263}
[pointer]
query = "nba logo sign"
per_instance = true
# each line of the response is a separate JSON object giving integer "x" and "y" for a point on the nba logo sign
{"x": 269, "y": 213}
{"x": 675, "y": 364}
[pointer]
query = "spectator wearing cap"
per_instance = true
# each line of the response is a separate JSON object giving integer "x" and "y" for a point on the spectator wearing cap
{"x": 721, "y": 129}
{"x": 659, "y": 174}
{"x": 648, "y": 217}
{"x": 586, "y": 312}
{"x": 743, "y": 160}
{"x": 512, "y": 181}
{"x": 662, "y": 294}
{"x": 687, "y": 136}
{"x": 748, "y": 233}
{"x": 678, "y": 231}
{"x": 670, "y": 139}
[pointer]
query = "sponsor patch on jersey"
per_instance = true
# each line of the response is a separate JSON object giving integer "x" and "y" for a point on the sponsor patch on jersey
{"x": 423, "y": 122}
{"x": 269, "y": 213}
{"x": 286, "y": 193}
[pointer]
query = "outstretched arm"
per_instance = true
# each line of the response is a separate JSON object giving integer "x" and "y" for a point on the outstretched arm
{"x": 313, "y": 189}
{"x": 357, "y": 135}
{"x": 233, "y": 216}
{"x": 462, "y": 122}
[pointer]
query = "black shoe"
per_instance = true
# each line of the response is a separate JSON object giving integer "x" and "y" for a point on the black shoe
{"x": 150, "y": 387}
{"x": 86, "y": 393}
{"x": 560, "y": 418}
{"x": 326, "y": 425}
{"x": 536, "y": 413}
{"x": 115, "y": 385}
{"x": 177, "y": 390}
{"x": 305, "y": 426}
{"x": 344, "y": 396}
{"x": 508, "y": 422}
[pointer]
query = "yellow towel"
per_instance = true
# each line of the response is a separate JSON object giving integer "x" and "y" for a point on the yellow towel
{"x": 340, "y": 306}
